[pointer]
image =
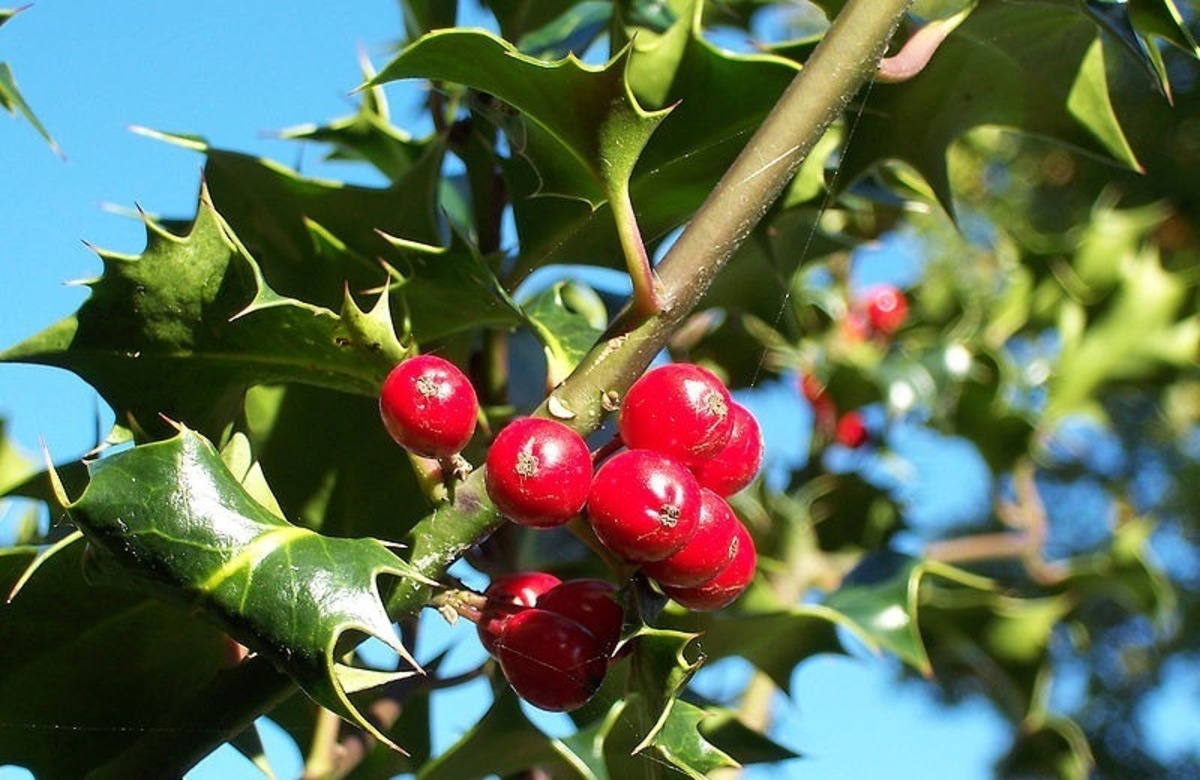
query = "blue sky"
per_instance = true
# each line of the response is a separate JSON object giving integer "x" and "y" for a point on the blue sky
{"x": 236, "y": 72}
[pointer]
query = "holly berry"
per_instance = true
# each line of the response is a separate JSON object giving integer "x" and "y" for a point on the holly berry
{"x": 678, "y": 409}
{"x": 851, "y": 431}
{"x": 551, "y": 661}
{"x": 538, "y": 472}
{"x": 507, "y": 596}
{"x": 589, "y": 602}
{"x": 429, "y": 406}
{"x": 643, "y": 505}
{"x": 706, "y": 553}
{"x": 886, "y": 308}
{"x": 736, "y": 464}
{"x": 721, "y": 590}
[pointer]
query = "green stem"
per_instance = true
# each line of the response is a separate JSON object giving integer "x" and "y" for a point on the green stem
{"x": 646, "y": 302}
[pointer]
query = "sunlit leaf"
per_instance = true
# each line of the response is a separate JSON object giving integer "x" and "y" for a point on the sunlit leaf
{"x": 201, "y": 540}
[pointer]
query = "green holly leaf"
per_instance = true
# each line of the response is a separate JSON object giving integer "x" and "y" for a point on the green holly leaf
{"x": 564, "y": 320}
{"x": 312, "y": 238}
{"x": 582, "y": 128}
{"x": 1139, "y": 334}
{"x": 198, "y": 538}
{"x": 519, "y": 17}
{"x": 1037, "y": 66}
{"x": 15, "y": 465}
{"x": 775, "y": 641}
{"x": 505, "y": 742}
{"x": 441, "y": 285}
{"x": 87, "y": 670}
{"x": 300, "y": 438}
{"x": 883, "y": 596}
{"x": 367, "y": 135}
{"x": 421, "y": 16}
{"x": 572, "y": 32}
{"x": 691, "y": 149}
{"x": 185, "y": 328}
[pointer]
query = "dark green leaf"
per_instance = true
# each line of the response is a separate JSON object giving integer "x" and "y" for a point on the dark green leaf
{"x": 565, "y": 332}
{"x": 583, "y": 130}
{"x": 502, "y": 743}
{"x": 421, "y": 16}
{"x": 367, "y": 135}
{"x": 573, "y": 32}
{"x": 86, "y": 671}
{"x": 519, "y": 17}
{"x": 1035, "y": 65}
{"x": 186, "y": 327}
{"x": 775, "y": 642}
{"x": 199, "y": 538}
{"x": 883, "y": 595}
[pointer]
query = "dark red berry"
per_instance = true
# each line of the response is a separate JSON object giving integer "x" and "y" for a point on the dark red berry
{"x": 507, "y": 596}
{"x": 824, "y": 409}
{"x": 851, "y": 431}
{"x": 723, "y": 589}
{"x": 706, "y": 553}
{"x": 429, "y": 406}
{"x": 551, "y": 661}
{"x": 886, "y": 308}
{"x": 591, "y": 603}
{"x": 678, "y": 409}
{"x": 643, "y": 505}
{"x": 538, "y": 472}
{"x": 736, "y": 464}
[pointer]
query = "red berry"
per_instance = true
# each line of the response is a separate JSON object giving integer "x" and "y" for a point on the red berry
{"x": 551, "y": 661}
{"x": 429, "y": 406}
{"x": 678, "y": 409}
{"x": 538, "y": 472}
{"x": 851, "y": 431}
{"x": 812, "y": 388}
{"x": 731, "y": 582}
{"x": 706, "y": 553}
{"x": 643, "y": 505}
{"x": 736, "y": 464}
{"x": 589, "y": 602}
{"x": 886, "y": 307}
{"x": 507, "y": 596}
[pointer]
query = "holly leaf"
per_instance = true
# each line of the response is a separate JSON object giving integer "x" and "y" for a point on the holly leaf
{"x": 87, "y": 670}
{"x": 691, "y": 149}
{"x": 15, "y": 465}
{"x": 313, "y": 238}
{"x": 775, "y": 642}
{"x": 1037, "y": 66}
{"x": 198, "y": 538}
{"x": 505, "y": 742}
{"x": 13, "y": 102}
{"x": 883, "y": 596}
{"x": 519, "y": 17}
{"x": 183, "y": 329}
{"x": 367, "y": 135}
{"x": 1138, "y": 335}
{"x": 563, "y": 319}
{"x": 581, "y": 127}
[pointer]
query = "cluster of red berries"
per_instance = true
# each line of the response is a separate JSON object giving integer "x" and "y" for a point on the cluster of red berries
{"x": 659, "y": 503}
{"x": 552, "y": 639}
{"x": 848, "y": 430}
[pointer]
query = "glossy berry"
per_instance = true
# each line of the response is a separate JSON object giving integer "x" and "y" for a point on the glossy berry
{"x": 851, "y": 431}
{"x": 736, "y": 464}
{"x": 429, "y": 406}
{"x": 538, "y": 472}
{"x": 678, "y": 409}
{"x": 706, "y": 553}
{"x": 643, "y": 505}
{"x": 591, "y": 603}
{"x": 723, "y": 589}
{"x": 507, "y": 596}
{"x": 886, "y": 308}
{"x": 551, "y": 661}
